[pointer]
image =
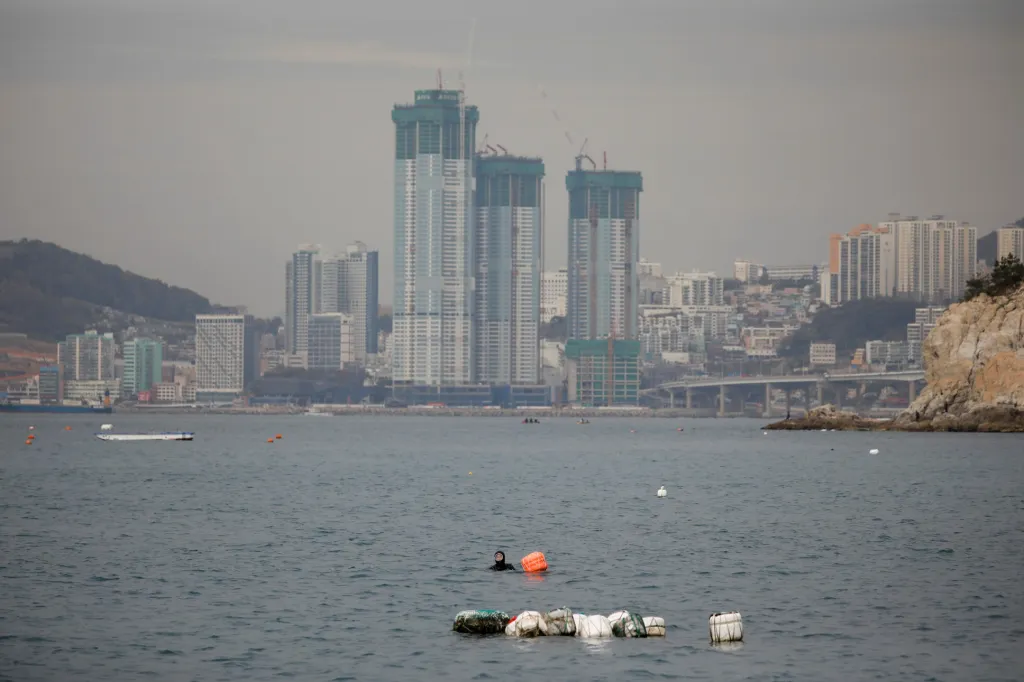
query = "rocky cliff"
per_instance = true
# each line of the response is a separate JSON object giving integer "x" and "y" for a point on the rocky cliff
{"x": 974, "y": 368}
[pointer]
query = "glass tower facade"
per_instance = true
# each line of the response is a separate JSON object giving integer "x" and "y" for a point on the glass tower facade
{"x": 509, "y": 238}
{"x": 433, "y": 311}
{"x": 604, "y": 246}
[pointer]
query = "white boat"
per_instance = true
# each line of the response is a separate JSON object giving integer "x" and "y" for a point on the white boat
{"x": 175, "y": 435}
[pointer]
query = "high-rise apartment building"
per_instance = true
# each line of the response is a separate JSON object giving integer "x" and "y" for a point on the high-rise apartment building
{"x": 604, "y": 245}
{"x": 300, "y": 297}
{"x": 348, "y": 284}
{"x": 554, "y": 289}
{"x": 332, "y": 340}
{"x": 696, "y": 289}
{"x": 433, "y": 311}
{"x": 87, "y": 357}
{"x": 509, "y": 238}
{"x": 934, "y": 257}
{"x": 143, "y": 365}
{"x": 862, "y": 264}
{"x": 918, "y": 330}
{"x": 1010, "y": 239}
{"x": 220, "y": 356}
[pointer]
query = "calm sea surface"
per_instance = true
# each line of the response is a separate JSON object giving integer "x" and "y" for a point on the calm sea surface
{"x": 344, "y": 550}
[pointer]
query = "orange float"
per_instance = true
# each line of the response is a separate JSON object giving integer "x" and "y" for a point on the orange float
{"x": 279, "y": 436}
{"x": 534, "y": 562}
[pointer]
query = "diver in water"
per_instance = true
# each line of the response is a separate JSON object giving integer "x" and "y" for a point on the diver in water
{"x": 499, "y": 563}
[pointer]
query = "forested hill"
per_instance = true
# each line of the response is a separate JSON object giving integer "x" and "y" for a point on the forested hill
{"x": 47, "y": 291}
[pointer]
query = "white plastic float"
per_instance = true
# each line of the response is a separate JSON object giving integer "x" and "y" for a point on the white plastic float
{"x": 725, "y": 627}
{"x": 655, "y": 626}
{"x": 662, "y": 492}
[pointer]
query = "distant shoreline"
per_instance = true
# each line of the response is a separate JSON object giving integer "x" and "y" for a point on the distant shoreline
{"x": 548, "y": 413}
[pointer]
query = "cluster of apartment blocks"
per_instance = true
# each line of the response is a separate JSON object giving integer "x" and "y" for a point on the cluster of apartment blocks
{"x": 926, "y": 260}
{"x": 88, "y": 369}
{"x": 331, "y": 308}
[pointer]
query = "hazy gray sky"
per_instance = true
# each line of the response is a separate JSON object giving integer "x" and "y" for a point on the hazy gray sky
{"x": 200, "y": 141}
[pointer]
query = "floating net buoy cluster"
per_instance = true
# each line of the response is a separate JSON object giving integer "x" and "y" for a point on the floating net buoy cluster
{"x": 558, "y": 623}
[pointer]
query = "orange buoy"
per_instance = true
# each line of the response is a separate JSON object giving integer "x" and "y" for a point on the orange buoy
{"x": 534, "y": 562}
{"x": 28, "y": 441}
{"x": 270, "y": 440}
{"x": 67, "y": 428}
{"x": 278, "y": 436}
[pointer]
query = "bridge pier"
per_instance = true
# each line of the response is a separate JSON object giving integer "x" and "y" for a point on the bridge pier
{"x": 767, "y": 401}
{"x": 689, "y": 398}
{"x": 671, "y": 398}
{"x": 821, "y": 393}
{"x": 721, "y": 400}
{"x": 913, "y": 390}
{"x": 839, "y": 390}
{"x": 789, "y": 399}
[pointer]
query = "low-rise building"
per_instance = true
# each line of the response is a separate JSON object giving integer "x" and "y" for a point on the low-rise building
{"x": 823, "y": 354}
{"x": 887, "y": 352}
{"x": 165, "y": 392}
{"x": 592, "y": 382}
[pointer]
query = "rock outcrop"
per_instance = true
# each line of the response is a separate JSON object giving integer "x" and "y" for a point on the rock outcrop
{"x": 826, "y": 418}
{"x": 974, "y": 369}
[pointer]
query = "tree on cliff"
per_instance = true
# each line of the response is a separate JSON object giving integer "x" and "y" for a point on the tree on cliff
{"x": 1007, "y": 276}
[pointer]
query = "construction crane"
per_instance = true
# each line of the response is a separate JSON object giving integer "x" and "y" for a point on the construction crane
{"x": 462, "y": 91}
{"x": 503, "y": 150}
{"x": 583, "y": 155}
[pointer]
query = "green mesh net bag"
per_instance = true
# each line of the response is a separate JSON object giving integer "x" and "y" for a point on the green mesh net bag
{"x": 481, "y": 622}
{"x": 625, "y": 624}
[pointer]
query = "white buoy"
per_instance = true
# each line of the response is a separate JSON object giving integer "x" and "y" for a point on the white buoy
{"x": 106, "y": 427}
{"x": 725, "y": 627}
{"x": 764, "y": 433}
{"x": 655, "y": 626}
{"x": 873, "y": 451}
{"x": 662, "y": 492}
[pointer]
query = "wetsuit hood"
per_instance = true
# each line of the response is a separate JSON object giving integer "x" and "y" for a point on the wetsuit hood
{"x": 499, "y": 559}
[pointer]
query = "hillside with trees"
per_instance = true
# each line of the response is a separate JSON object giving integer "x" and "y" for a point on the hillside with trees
{"x": 852, "y": 324}
{"x": 48, "y": 292}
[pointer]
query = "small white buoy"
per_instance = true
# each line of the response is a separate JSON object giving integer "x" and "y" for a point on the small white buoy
{"x": 31, "y": 428}
{"x": 764, "y": 433}
{"x": 662, "y": 492}
{"x": 106, "y": 427}
{"x": 873, "y": 451}
{"x": 824, "y": 430}
{"x": 725, "y": 627}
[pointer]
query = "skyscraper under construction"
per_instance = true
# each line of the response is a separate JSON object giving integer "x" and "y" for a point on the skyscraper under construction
{"x": 604, "y": 245}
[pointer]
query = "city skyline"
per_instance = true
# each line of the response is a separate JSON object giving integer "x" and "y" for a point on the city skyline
{"x": 152, "y": 131}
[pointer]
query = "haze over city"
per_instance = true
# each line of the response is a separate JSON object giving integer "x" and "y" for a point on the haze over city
{"x": 200, "y": 142}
